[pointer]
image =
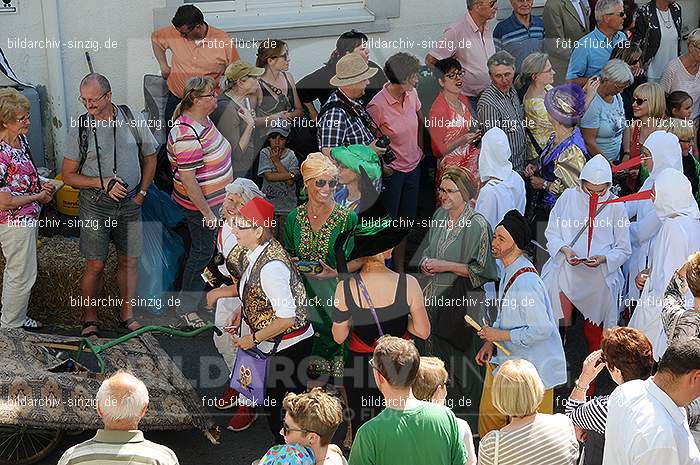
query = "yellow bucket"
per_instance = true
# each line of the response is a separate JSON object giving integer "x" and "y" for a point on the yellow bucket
{"x": 67, "y": 199}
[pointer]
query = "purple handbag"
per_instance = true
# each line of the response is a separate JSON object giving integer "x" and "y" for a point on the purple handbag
{"x": 250, "y": 373}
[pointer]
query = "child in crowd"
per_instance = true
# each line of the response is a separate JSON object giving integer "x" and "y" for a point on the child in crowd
{"x": 684, "y": 129}
{"x": 310, "y": 421}
{"x": 279, "y": 168}
{"x": 430, "y": 385}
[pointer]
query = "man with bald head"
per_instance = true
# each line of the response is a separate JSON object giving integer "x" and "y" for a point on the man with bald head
{"x": 122, "y": 401}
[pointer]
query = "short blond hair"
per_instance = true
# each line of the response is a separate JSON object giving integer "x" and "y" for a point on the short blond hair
{"x": 315, "y": 412}
{"x": 12, "y": 105}
{"x": 681, "y": 128}
{"x": 694, "y": 38}
{"x": 655, "y": 97}
{"x": 431, "y": 374}
{"x": 517, "y": 389}
{"x": 692, "y": 274}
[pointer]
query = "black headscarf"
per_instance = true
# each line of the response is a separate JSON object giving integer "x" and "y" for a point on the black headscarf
{"x": 518, "y": 228}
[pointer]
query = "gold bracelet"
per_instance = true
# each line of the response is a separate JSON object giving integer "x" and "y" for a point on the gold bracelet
{"x": 579, "y": 388}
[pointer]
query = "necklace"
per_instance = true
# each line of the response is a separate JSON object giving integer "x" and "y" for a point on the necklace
{"x": 319, "y": 213}
{"x": 668, "y": 22}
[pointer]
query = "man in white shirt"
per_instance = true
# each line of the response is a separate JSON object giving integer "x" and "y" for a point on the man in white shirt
{"x": 647, "y": 422}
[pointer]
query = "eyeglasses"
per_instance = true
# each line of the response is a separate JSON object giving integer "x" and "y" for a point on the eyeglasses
{"x": 286, "y": 429}
{"x": 639, "y": 101}
{"x": 285, "y": 56}
{"x": 491, "y": 4}
{"x": 621, "y": 14}
{"x": 447, "y": 191}
{"x": 455, "y": 74}
{"x": 321, "y": 183}
{"x": 205, "y": 95}
{"x": 374, "y": 367}
{"x": 90, "y": 101}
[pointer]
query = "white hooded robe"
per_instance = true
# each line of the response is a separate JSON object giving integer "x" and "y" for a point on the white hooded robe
{"x": 595, "y": 292}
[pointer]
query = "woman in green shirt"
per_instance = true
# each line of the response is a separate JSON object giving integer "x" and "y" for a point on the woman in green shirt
{"x": 310, "y": 234}
{"x": 458, "y": 262}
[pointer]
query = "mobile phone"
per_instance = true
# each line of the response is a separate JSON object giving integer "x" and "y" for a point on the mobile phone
{"x": 309, "y": 267}
{"x": 246, "y": 103}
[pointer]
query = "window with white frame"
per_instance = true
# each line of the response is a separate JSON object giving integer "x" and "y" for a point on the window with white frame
{"x": 252, "y": 15}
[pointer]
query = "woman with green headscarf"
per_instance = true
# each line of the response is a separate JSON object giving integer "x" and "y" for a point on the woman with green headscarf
{"x": 457, "y": 262}
{"x": 359, "y": 171}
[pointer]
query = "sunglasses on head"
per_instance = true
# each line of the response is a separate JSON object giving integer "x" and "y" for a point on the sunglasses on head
{"x": 639, "y": 101}
{"x": 320, "y": 183}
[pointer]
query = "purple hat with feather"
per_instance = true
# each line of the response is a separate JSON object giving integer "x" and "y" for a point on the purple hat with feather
{"x": 566, "y": 104}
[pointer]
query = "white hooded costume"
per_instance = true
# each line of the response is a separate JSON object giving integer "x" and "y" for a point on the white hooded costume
{"x": 595, "y": 292}
{"x": 665, "y": 153}
{"x": 678, "y": 238}
{"x": 504, "y": 189}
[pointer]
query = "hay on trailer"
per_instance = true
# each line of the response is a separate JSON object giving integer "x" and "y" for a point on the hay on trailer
{"x": 56, "y": 297}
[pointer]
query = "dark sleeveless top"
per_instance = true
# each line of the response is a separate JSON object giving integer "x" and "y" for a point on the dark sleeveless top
{"x": 393, "y": 318}
{"x": 270, "y": 103}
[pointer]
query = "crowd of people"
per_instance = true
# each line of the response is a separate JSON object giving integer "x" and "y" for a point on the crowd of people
{"x": 566, "y": 179}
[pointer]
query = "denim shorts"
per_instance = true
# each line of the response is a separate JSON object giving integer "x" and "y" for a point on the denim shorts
{"x": 102, "y": 219}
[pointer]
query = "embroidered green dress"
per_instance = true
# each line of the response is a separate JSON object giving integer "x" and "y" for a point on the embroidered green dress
{"x": 449, "y": 297}
{"x": 302, "y": 242}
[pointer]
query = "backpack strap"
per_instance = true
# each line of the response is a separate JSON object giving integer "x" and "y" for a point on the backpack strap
{"x": 82, "y": 140}
{"x": 525, "y": 269}
{"x": 132, "y": 127}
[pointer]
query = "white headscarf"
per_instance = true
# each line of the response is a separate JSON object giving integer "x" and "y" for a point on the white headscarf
{"x": 674, "y": 195}
{"x": 665, "y": 152}
{"x": 596, "y": 171}
{"x": 246, "y": 188}
{"x": 494, "y": 159}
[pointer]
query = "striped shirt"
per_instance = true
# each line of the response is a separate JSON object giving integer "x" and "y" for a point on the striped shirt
{"x": 496, "y": 109}
{"x": 205, "y": 150}
{"x": 520, "y": 41}
{"x": 111, "y": 447}
{"x": 591, "y": 415}
{"x": 549, "y": 439}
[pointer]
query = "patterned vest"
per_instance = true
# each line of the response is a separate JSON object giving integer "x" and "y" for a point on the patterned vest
{"x": 257, "y": 309}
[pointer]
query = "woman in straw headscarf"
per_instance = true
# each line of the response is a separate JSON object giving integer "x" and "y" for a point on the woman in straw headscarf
{"x": 309, "y": 236}
{"x": 458, "y": 262}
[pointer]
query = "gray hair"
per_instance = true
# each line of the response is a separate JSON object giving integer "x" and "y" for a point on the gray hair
{"x": 122, "y": 396}
{"x": 246, "y": 188}
{"x": 472, "y": 3}
{"x": 694, "y": 38}
{"x": 97, "y": 78}
{"x": 501, "y": 58}
{"x": 534, "y": 63}
{"x": 604, "y": 7}
{"x": 618, "y": 71}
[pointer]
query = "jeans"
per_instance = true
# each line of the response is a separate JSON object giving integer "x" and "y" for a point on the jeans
{"x": 202, "y": 248}
{"x": 18, "y": 245}
{"x": 401, "y": 193}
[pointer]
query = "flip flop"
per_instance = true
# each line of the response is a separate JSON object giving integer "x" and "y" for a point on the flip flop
{"x": 31, "y": 323}
{"x": 128, "y": 322}
{"x": 89, "y": 324}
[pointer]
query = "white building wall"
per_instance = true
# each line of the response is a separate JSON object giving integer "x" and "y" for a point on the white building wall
{"x": 85, "y": 25}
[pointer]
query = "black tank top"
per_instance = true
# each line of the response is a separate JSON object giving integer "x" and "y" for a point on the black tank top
{"x": 393, "y": 318}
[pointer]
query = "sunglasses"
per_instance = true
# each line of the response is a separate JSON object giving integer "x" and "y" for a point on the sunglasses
{"x": 205, "y": 95}
{"x": 321, "y": 183}
{"x": 683, "y": 141}
{"x": 188, "y": 31}
{"x": 491, "y": 4}
{"x": 287, "y": 429}
{"x": 285, "y": 56}
{"x": 455, "y": 74}
{"x": 24, "y": 119}
{"x": 374, "y": 367}
{"x": 639, "y": 101}
{"x": 621, "y": 14}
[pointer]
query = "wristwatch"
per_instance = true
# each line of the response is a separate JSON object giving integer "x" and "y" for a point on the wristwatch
{"x": 292, "y": 175}
{"x": 255, "y": 341}
{"x": 143, "y": 193}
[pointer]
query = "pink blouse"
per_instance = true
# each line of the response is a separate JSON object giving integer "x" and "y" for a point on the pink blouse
{"x": 18, "y": 176}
